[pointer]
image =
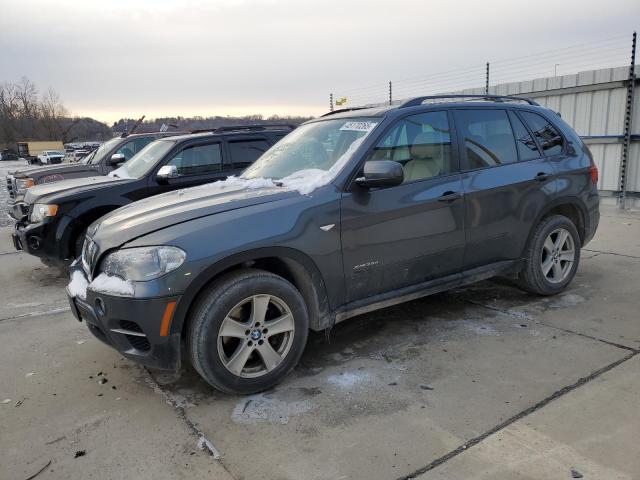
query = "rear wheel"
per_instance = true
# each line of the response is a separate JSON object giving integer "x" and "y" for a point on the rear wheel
{"x": 552, "y": 256}
{"x": 247, "y": 331}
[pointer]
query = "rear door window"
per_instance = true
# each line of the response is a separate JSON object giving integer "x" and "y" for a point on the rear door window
{"x": 547, "y": 135}
{"x": 487, "y": 136}
{"x": 244, "y": 152}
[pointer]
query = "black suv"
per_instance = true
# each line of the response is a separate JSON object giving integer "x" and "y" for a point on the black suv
{"x": 57, "y": 215}
{"x": 354, "y": 211}
{"x": 100, "y": 162}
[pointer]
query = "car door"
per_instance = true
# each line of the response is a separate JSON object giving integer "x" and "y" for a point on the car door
{"x": 505, "y": 180}
{"x": 403, "y": 235}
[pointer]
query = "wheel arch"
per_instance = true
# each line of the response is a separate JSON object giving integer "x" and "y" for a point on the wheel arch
{"x": 83, "y": 221}
{"x": 570, "y": 207}
{"x": 291, "y": 264}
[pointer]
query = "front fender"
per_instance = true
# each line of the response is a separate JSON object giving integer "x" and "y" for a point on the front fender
{"x": 285, "y": 254}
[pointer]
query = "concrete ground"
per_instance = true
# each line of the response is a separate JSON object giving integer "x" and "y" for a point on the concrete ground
{"x": 485, "y": 382}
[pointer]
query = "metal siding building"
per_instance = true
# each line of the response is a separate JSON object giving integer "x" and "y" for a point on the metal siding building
{"x": 594, "y": 104}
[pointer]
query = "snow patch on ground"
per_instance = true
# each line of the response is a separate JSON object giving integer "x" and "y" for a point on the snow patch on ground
{"x": 348, "y": 380}
{"x": 111, "y": 285}
{"x": 261, "y": 409}
{"x": 78, "y": 285}
{"x": 204, "y": 444}
{"x": 568, "y": 300}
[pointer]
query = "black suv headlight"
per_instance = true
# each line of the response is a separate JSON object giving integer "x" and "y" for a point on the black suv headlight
{"x": 42, "y": 210}
{"x": 140, "y": 264}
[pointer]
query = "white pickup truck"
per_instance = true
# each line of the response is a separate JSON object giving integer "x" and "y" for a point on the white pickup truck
{"x": 50, "y": 157}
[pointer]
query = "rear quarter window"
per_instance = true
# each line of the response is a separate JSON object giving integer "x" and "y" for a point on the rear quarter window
{"x": 548, "y": 137}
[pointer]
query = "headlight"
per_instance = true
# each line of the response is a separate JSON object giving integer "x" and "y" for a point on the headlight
{"x": 23, "y": 183}
{"x": 143, "y": 263}
{"x": 42, "y": 210}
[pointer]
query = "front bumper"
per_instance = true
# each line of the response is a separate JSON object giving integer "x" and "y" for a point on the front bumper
{"x": 32, "y": 238}
{"x": 129, "y": 325}
{"x": 18, "y": 209}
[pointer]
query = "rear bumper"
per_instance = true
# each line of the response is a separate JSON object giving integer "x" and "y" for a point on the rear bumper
{"x": 130, "y": 326}
{"x": 593, "y": 217}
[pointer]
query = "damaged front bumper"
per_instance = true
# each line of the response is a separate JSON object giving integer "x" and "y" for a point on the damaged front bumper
{"x": 132, "y": 326}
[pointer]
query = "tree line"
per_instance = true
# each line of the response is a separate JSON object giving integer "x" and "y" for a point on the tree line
{"x": 28, "y": 115}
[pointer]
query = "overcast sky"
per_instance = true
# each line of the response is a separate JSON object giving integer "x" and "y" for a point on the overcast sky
{"x": 115, "y": 58}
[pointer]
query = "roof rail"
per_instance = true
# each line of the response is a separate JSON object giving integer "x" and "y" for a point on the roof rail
{"x": 413, "y": 102}
{"x": 233, "y": 128}
{"x": 343, "y": 110}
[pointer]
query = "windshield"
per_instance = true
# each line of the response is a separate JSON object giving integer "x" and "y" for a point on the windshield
{"x": 320, "y": 147}
{"x": 98, "y": 154}
{"x": 145, "y": 160}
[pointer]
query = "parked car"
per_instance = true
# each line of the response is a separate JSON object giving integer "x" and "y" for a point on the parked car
{"x": 56, "y": 216}
{"x": 100, "y": 162}
{"x": 50, "y": 157}
{"x": 354, "y": 211}
{"x": 78, "y": 155}
{"x": 6, "y": 155}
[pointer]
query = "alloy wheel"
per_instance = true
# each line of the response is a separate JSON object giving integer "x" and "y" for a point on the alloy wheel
{"x": 256, "y": 336}
{"x": 558, "y": 255}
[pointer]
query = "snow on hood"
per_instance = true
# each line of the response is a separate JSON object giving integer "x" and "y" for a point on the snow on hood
{"x": 103, "y": 283}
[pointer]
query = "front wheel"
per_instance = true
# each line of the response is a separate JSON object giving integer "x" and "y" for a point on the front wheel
{"x": 247, "y": 332}
{"x": 552, "y": 256}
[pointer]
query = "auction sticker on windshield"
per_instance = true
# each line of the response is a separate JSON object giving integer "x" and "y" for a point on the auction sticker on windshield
{"x": 359, "y": 126}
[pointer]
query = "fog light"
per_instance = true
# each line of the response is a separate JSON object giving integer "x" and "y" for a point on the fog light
{"x": 34, "y": 243}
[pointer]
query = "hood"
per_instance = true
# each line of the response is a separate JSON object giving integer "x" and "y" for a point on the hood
{"x": 74, "y": 185}
{"x": 162, "y": 211}
{"x": 39, "y": 171}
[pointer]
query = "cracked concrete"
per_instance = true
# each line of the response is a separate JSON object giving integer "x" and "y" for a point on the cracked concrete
{"x": 485, "y": 382}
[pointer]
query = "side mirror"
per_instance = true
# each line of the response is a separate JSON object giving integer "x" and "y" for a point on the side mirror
{"x": 381, "y": 173}
{"x": 166, "y": 172}
{"x": 117, "y": 158}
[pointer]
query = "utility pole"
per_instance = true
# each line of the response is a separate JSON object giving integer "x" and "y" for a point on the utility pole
{"x": 390, "y": 93}
{"x": 555, "y": 69}
{"x": 331, "y": 102}
{"x": 486, "y": 84}
{"x": 628, "y": 116}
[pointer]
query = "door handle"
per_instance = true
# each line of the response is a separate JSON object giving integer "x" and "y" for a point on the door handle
{"x": 450, "y": 197}
{"x": 542, "y": 177}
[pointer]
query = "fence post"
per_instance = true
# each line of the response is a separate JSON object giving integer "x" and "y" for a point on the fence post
{"x": 628, "y": 116}
{"x": 331, "y": 102}
{"x": 486, "y": 84}
{"x": 390, "y": 93}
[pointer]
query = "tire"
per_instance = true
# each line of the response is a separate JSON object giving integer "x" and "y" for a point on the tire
{"x": 243, "y": 362}
{"x": 78, "y": 244}
{"x": 548, "y": 269}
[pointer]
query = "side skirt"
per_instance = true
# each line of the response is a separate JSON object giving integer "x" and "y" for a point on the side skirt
{"x": 424, "y": 289}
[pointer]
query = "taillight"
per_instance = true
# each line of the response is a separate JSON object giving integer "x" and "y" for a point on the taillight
{"x": 593, "y": 170}
{"x": 593, "y": 173}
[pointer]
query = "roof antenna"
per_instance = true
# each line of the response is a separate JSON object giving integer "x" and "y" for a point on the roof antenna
{"x": 134, "y": 128}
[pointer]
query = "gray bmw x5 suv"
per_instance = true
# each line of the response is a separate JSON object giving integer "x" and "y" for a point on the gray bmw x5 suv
{"x": 357, "y": 210}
